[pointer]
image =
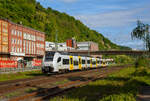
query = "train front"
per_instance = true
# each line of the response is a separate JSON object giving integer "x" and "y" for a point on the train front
{"x": 47, "y": 65}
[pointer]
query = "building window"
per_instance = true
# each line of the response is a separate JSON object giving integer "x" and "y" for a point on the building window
{"x": 34, "y": 48}
{"x": 24, "y": 35}
{"x": 24, "y": 46}
{"x": 5, "y": 30}
{"x": 15, "y": 32}
{"x": 12, "y": 41}
{"x": 34, "y": 38}
{"x": 12, "y": 49}
{"x": 20, "y": 34}
{"x": 18, "y": 41}
{"x": 31, "y": 37}
{"x": 29, "y": 47}
{"x": 20, "y": 50}
{"x": 27, "y": 36}
{"x": 12, "y": 31}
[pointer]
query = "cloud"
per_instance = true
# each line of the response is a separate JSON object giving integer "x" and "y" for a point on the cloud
{"x": 111, "y": 19}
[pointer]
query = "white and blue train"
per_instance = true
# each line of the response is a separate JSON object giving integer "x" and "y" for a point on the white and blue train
{"x": 61, "y": 61}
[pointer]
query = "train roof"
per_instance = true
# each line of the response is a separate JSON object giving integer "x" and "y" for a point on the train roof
{"x": 67, "y": 53}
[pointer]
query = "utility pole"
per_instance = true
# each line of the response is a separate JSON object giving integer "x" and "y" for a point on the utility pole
{"x": 56, "y": 44}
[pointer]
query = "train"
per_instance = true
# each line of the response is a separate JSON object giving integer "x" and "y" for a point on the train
{"x": 56, "y": 62}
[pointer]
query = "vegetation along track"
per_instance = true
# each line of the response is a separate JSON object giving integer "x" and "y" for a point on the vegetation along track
{"x": 44, "y": 94}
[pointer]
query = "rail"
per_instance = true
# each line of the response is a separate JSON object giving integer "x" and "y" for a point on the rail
{"x": 112, "y": 52}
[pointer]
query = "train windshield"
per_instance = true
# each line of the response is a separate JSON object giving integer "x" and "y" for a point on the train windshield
{"x": 49, "y": 56}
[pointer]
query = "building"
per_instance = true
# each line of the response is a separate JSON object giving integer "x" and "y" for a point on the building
{"x": 71, "y": 43}
{"x": 89, "y": 45}
{"x": 62, "y": 47}
{"x": 51, "y": 46}
{"x": 18, "y": 42}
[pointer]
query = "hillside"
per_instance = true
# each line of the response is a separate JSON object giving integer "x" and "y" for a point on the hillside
{"x": 32, "y": 14}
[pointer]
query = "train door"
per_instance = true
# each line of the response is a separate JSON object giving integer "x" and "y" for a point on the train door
{"x": 96, "y": 63}
{"x": 104, "y": 63}
{"x": 90, "y": 62}
{"x": 86, "y": 64}
{"x": 71, "y": 62}
{"x": 80, "y": 65}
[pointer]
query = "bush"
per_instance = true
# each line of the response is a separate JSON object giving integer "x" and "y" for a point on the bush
{"x": 122, "y": 59}
{"x": 142, "y": 62}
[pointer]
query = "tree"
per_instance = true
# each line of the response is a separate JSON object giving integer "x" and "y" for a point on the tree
{"x": 142, "y": 32}
{"x": 32, "y": 14}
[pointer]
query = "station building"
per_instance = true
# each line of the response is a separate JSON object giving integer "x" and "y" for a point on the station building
{"x": 88, "y": 45}
{"x": 18, "y": 42}
{"x": 51, "y": 46}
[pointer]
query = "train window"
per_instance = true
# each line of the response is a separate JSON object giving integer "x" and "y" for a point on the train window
{"x": 65, "y": 61}
{"x": 49, "y": 56}
{"x": 88, "y": 61}
{"x": 59, "y": 59}
{"x": 94, "y": 62}
{"x": 101, "y": 62}
{"x": 75, "y": 62}
{"x": 83, "y": 61}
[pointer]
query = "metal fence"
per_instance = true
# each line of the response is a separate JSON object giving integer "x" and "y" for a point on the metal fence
{"x": 14, "y": 70}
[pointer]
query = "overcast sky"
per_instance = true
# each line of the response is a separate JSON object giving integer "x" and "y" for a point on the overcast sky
{"x": 115, "y": 19}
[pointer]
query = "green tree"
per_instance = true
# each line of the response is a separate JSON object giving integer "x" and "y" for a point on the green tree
{"x": 142, "y": 32}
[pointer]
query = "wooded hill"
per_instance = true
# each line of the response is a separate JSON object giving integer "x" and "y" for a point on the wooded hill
{"x": 34, "y": 15}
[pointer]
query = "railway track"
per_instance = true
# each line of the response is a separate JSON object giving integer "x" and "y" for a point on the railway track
{"x": 49, "y": 92}
{"x": 11, "y": 86}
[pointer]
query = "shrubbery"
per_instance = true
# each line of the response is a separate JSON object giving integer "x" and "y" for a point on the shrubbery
{"x": 121, "y": 59}
{"x": 142, "y": 62}
{"x": 124, "y": 59}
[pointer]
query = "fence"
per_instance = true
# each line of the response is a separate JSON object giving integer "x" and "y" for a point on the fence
{"x": 20, "y": 66}
{"x": 13, "y": 70}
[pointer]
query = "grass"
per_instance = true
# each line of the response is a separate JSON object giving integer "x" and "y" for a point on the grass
{"x": 61, "y": 82}
{"x": 30, "y": 90}
{"x": 121, "y": 86}
{"x": 27, "y": 74}
{"x": 12, "y": 94}
{"x": 19, "y": 75}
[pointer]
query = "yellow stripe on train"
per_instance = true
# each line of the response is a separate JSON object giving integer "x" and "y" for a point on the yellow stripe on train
{"x": 71, "y": 62}
{"x": 80, "y": 64}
